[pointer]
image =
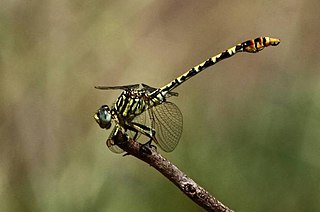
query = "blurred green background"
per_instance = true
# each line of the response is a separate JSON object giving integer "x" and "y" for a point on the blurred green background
{"x": 251, "y": 123}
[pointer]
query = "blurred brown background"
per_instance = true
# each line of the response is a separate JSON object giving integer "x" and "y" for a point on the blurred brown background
{"x": 251, "y": 123}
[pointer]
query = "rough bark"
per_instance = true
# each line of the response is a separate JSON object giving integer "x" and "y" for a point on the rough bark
{"x": 190, "y": 188}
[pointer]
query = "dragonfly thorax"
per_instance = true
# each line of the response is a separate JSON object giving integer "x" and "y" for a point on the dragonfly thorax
{"x": 132, "y": 103}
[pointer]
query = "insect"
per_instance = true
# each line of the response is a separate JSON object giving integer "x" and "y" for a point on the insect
{"x": 140, "y": 100}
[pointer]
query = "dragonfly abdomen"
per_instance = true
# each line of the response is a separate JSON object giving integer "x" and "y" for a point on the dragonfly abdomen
{"x": 250, "y": 46}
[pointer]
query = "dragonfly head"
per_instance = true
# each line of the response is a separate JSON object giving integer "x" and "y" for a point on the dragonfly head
{"x": 103, "y": 117}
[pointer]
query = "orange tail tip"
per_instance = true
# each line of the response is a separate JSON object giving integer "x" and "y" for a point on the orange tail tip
{"x": 273, "y": 41}
{"x": 256, "y": 45}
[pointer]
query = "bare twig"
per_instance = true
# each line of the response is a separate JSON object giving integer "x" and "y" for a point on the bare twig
{"x": 190, "y": 188}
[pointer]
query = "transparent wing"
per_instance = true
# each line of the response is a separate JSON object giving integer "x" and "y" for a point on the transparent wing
{"x": 110, "y": 142}
{"x": 167, "y": 120}
{"x": 120, "y": 87}
{"x": 140, "y": 119}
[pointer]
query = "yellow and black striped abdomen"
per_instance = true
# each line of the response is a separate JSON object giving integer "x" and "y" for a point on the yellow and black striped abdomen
{"x": 250, "y": 46}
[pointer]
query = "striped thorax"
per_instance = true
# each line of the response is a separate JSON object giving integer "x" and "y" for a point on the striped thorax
{"x": 165, "y": 117}
{"x": 134, "y": 102}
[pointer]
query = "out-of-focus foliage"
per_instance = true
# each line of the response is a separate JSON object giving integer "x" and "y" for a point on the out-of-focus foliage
{"x": 251, "y": 123}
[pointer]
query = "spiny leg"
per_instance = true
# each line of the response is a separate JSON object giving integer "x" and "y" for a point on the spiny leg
{"x": 147, "y": 131}
{"x": 114, "y": 140}
{"x": 114, "y": 137}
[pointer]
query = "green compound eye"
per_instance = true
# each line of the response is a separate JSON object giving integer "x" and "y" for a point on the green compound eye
{"x": 103, "y": 117}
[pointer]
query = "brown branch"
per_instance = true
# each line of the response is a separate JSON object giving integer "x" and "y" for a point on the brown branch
{"x": 190, "y": 188}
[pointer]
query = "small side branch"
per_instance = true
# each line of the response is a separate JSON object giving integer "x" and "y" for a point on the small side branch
{"x": 190, "y": 188}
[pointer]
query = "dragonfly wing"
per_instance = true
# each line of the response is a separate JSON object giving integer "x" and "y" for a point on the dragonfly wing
{"x": 120, "y": 87}
{"x": 140, "y": 119}
{"x": 167, "y": 121}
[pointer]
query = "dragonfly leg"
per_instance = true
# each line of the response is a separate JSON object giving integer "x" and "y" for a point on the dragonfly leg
{"x": 114, "y": 136}
{"x": 112, "y": 141}
{"x": 135, "y": 134}
{"x": 147, "y": 131}
{"x": 132, "y": 127}
{"x": 146, "y": 147}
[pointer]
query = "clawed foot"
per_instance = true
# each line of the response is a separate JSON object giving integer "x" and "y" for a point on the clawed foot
{"x": 147, "y": 147}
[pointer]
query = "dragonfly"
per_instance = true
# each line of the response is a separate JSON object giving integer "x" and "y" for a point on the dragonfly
{"x": 139, "y": 102}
